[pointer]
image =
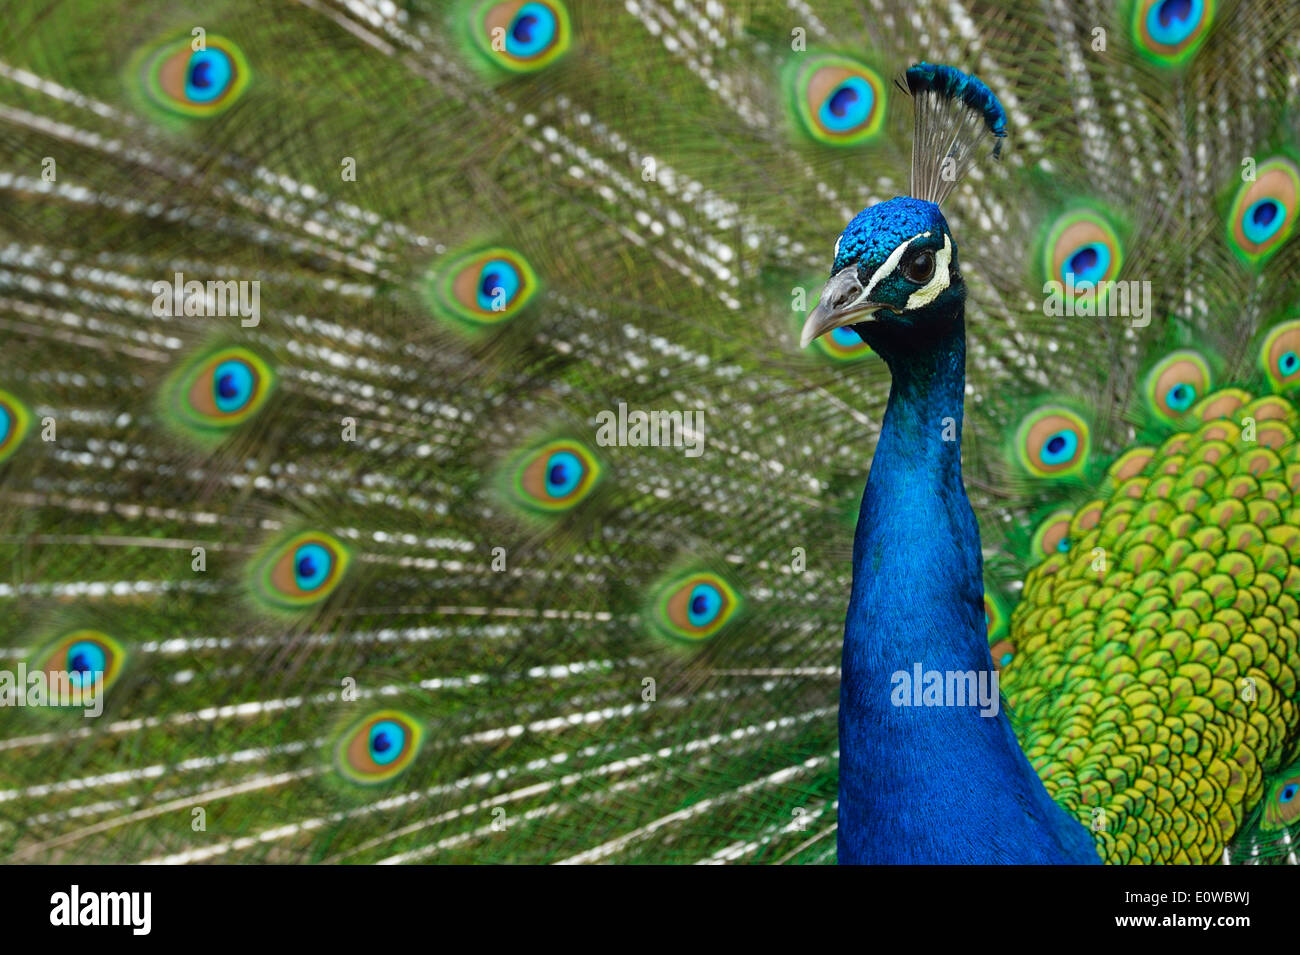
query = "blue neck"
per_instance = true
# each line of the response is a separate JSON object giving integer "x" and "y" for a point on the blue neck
{"x": 929, "y": 783}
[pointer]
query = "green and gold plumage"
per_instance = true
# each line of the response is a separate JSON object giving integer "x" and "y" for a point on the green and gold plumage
{"x": 1156, "y": 655}
{"x": 468, "y": 251}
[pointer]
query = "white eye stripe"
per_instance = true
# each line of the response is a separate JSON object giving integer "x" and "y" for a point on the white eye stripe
{"x": 922, "y": 296}
{"x": 937, "y": 283}
{"x": 886, "y": 267}
{"x": 837, "y": 247}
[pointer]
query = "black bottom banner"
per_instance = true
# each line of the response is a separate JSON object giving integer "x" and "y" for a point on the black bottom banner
{"x": 296, "y": 906}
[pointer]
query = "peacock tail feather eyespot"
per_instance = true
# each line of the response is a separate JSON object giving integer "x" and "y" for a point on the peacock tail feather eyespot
{"x": 1176, "y": 383}
{"x": 1263, "y": 213}
{"x": 302, "y": 571}
{"x": 1053, "y": 534}
{"x": 222, "y": 389}
{"x": 1053, "y": 442}
{"x": 379, "y": 746}
{"x": 995, "y": 617}
{"x": 522, "y": 35}
{"x": 1282, "y": 804}
{"x": 556, "y": 476}
{"x": 1003, "y": 652}
{"x": 197, "y": 83}
{"x": 1280, "y": 356}
{"x": 484, "y": 287}
{"x": 88, "y": 660}
{"x": 839, "y": 101}
{"x": 1082, "y": 248}
{"x": 15, "y": 420}
{"x": 1170, "y": 31}
{"x": 844, "y": 344}
{"x": 695, "y": 607}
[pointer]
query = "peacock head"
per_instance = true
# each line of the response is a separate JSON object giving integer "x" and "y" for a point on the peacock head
{"x": 895, "y": 274}
{"x": 895, "y": 279}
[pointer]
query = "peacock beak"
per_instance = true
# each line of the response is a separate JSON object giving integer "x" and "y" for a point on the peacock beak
{"x": 843, "y": 302}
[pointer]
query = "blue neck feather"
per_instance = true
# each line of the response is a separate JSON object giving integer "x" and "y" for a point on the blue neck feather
{"x": 929, "y": 783}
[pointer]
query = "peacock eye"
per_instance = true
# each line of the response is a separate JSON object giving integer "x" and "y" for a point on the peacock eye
{"x": 89, "y": 659}
{"x": 1280, "y": 356}
{"x": 221, "y": 389}
{"x": 483, "y": 288}
{"x": 1170, "y": 31}
{"x": 1283, "y": 807}
{"x": 521, "y": 35}
{"x": 1263, "y": 214}
{"x": 197, "y": 82}
{"x": 1052, "y": 442}
{"x": 695, "y": 607}
{"x": 302, "y": 571}
{"x": 920, "y": 269}
{"x": 1053, "y": 534}
{"x": 995, "y": 618}
{"x": 1082, "y": 252}
{"x": 1176, "y": 383}
{"x": 844, "y": 344}
{"x": 556, "y": 476}
{"x": 14, "y": 419}
{"x": 379, "y": 747}
{"x": 839, "y": 101}
{"x": 1003, "y": 652}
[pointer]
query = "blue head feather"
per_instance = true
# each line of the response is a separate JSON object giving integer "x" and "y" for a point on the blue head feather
{"x": 874, "y": 232}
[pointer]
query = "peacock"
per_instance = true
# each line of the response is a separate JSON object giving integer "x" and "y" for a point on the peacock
{"x": 430, "y": 431}
{"x": 897, "y": 284}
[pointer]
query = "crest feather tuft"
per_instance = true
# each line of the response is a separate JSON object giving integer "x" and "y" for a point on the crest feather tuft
{"x": 954, "y": 113}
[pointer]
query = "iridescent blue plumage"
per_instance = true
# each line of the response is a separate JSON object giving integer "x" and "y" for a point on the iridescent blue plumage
{"x": 873, "y": 232}
{"x": 922, "y": 779}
